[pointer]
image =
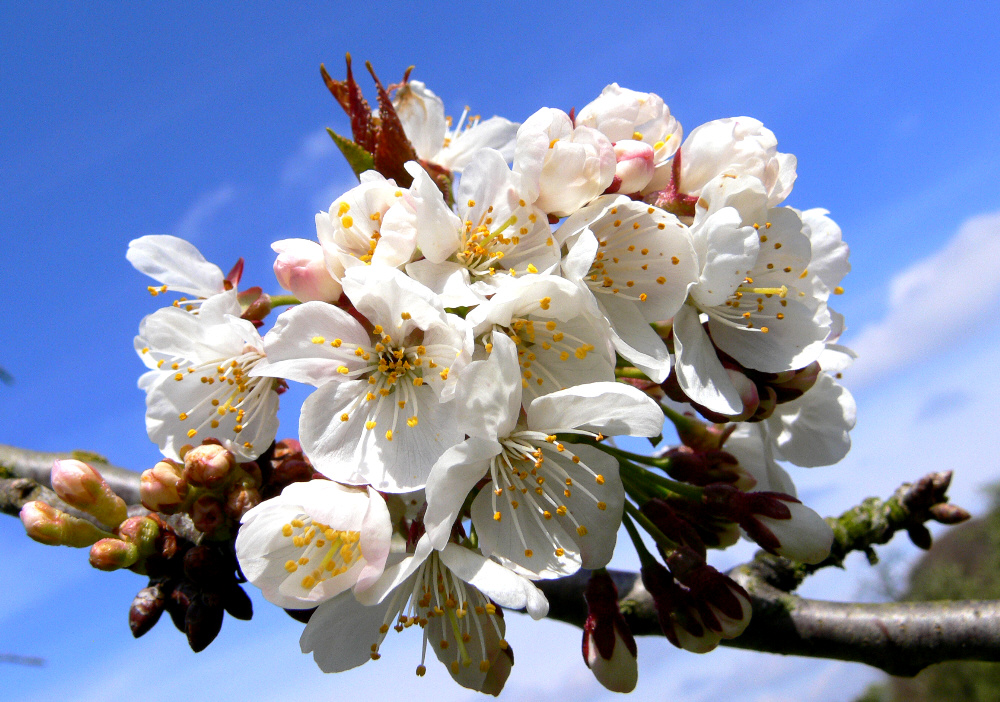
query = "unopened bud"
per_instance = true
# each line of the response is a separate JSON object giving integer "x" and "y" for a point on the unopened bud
{"x": 207, "y": 514}
{"x": 141, "y": 531}
{"x": 82, "y": 487}
{"x": 240, "y": 500}
{"x": 163, "y": 488}
{"x": 208, "y": 465}
{"x": 723, "y": 605}
{"x": 634, "y": 168}
{"x": 255, "y": 303}
{"x": 52, "y": 527}
{"x": 146, "y": 609}
{"x": 676, "y": 611}
{"x": 113, "y": 554}
{"x": 301, "y": 270}
{"x": 202, "y": 623}
{"x": 237, "y": 603}
{"x": 707, "y": 466}
{"x": 609, "y": 648}
{"x": 949, "y": 514}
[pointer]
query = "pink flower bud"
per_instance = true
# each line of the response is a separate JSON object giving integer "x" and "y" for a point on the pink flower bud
{"x": 207, "y": 514}
{"x": 163, "y": 488}
{"x": 113, "y": 554}
{"x": 677, "y": 611}
{"x": 723, "y": 605}
{"x": 82, "y": 487}
{"x": 609, "y": 648}
{"x": 634, "y": 168}
{"x": 52, "y": 527}
{"x": 301, "y": 270}
{"x": 208, "y": 465}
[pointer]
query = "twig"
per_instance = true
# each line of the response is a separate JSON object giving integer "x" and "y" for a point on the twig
{"x": 37, "y": 466}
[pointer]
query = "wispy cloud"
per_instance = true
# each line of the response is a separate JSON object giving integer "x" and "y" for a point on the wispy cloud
{"x": 204, "y": 209}
{"x": 316, "y": 171}
{"x": 938, "y": 301}
{"x": 315, "y": 150}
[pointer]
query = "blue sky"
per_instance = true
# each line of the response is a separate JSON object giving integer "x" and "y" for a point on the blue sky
{"x": 208, "y": 123}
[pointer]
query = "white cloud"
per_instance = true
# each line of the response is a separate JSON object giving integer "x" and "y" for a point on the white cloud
{"x": 315, "y": 150}
{"x": 202, "y": 212}
{"x": 934, "y": 303}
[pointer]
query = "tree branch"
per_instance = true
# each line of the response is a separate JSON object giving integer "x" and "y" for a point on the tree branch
{"x": 900, "y": 638}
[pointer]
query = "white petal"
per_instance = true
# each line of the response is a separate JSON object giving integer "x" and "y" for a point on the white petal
{"x": 176, "y": 263}
{"x": 814, "y": 430}
{"x": 340, "y": 633}
{"x": 699, "y": 371}
{"x": 299, "y": 346}
{"x": 502, "y": 586}
{"x": 489, "y": 392}
{"x": 608, "y": 408}
{"x": 450, "y": 481}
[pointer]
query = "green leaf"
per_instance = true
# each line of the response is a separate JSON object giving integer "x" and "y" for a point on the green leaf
{"x": 357, "y": 157}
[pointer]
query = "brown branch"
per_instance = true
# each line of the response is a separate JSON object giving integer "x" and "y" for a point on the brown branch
{"x": 899, "y": 638}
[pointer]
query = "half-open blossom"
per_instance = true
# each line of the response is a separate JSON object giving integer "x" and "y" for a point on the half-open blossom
{"x": 638, "y": 262}
{"x": 566, "y": 166}
{"x": 740, "y": 146}
{"x": 496, "y": 233}
{"x": 358, "y": 228}
{"x": 314, "y": 541}
{"x": 378, "y": 416}
{"x": 452, "y": 597}
{"x": 200, "y": 383}
{"x": 622, "y": 114}
{"x": 547, "y": 507}
{"x": 437, "y": 140}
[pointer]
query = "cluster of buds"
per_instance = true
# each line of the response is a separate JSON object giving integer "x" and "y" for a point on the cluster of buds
{"x": 196, "y": 585}
{"x": 210, "y": 485}
{"x": 84, "y": 489}
{"x": 696, "y": 605}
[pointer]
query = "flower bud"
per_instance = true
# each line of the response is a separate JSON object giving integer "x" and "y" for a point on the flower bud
{"x": 82, "y": 487}
{"x": 163, "y": 488}
{"x": 208, "y": 465}
{"x": 609, "y": 648}
{"x": 301, "y": 270}
{"x": 707, "y": 467}
{"x": 779, "y": 523}
{"x": 207, "y": 514}
{"x": 237, "y": 603}
{"x": 240, "y": 500}
{"x": 113, "y": 554}
{"x": 146, "y": 609}
{"x": 723, "y": 605}
{"x": 677, "y": 611}
{"x": 634, "y": 167}
{"x": 567, "y": 166}
{"x": 202, "y": 623}
{"x": 52, "y": 527}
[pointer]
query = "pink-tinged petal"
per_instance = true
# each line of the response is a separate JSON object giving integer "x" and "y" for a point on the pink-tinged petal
{"x": 699, "y": 371}
{"x": 501, "y": 585}
{"x": 451, "y": 479}
{"x": 175, "y": 263}
{"x": 312, "y": 342}
{"x": 609, "y": 408}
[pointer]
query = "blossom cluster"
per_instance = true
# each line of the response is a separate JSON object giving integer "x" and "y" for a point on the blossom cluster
{"x": 479, "y": 317}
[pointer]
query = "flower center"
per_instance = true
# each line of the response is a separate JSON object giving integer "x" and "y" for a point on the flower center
{"x": 325, "y": 552}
